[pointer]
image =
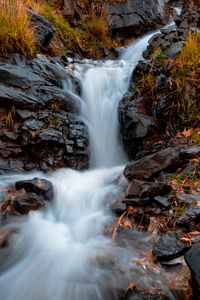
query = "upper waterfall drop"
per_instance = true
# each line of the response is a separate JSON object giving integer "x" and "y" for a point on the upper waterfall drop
{"x": 103, "y": 87}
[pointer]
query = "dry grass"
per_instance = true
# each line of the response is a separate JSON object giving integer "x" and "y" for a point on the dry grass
{"x": 186, "y": 75}
{"x": 16, "y": 32}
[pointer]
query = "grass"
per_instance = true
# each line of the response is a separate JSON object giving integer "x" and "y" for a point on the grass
{"x": 186, "y": 76}
{"x": 16, "y": 32}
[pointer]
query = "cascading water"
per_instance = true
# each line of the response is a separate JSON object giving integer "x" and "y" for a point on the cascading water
{"x": 57, "y": 253}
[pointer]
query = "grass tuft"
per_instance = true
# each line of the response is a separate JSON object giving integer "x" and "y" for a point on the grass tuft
{"x": 16, "y": 32}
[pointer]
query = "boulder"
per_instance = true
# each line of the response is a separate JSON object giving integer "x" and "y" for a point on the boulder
{"x": 27, "y": 202}
{"x": 38, "y": 186}
{"x": 43, "y": 29}
{"x": 144, "y": 189}
{"x": 190, "y": 152}
{"x": 169, "y": 246}
{"x": 133, "y": 18}
{"x": 151, "y": 165}
{"x": 190, "y": 217}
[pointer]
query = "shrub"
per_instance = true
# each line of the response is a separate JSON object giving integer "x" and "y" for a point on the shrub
{"x": 16, "y": 32}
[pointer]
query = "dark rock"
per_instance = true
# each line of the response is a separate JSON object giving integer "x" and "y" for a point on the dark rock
{"x": 46, "y": 131}
{"x": 27, "y": 202}
{"x": 150, "y": 166}
{"x": 144, "y": 189}
{"x": 132, "y": 18}
{"x": 190, "y": 152}
{"x": 38, "y": 186}
{"x": 190, "y": 217}
{"x": 192, "y": 258}
{"x": 117, "y": 206}
{"x": 174, "y": 49}
{"x": 137, "y": 202}
{"x": 187, "y": 198}
{"x": 43, "y": 28}
{"x": 164, "y": 201}
{"x": 169, "y": 246}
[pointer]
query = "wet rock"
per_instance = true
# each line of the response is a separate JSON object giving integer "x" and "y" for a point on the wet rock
{"x": 117, "y": 205}
{"x": 38, "y": 186}
{"x": 190, "y": 152}
{"x": 190, "y": 217}
{"x": 169, "y": 246}
{"x": 150, "y": 166}
{"x": 192, "y": 258}
{"x": 27, "y": 202}
{"x": 180, "y": 284}
{"x": 144, "y": 189}
{"x": 4, "y": 237}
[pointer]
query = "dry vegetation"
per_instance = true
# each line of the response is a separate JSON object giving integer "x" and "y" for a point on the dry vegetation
{"x": 186, "y": 75}
{"x": 89, "y": 35}
{"x": 16, "y": 32}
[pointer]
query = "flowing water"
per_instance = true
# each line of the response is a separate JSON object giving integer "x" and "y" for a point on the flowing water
{"x": 62, "y": 252}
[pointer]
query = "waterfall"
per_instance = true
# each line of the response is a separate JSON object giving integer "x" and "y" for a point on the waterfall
{"x": 57, "y": 253}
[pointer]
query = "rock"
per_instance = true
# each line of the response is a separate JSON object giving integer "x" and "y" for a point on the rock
{"x": 169, "y": 246}
{"x": 117, "y": 205}
{"x": 180, "y": 284}
{"x": 187, "y": 198}
{"x": 4, "y": 237}
{"x": 151, "y": 165}
{"x": 133, "y": 18}
{"x": 192, "y": 258}
{"x": 137, "y": 201}
{"x": 144, "y": 189}
{"x": 45, "y": 130}
{"x": 190, "y": 217}
{"x": 190, "y": 152}
{"x": 27, "y": 202}
{"x": 38, "y": 186}
{"x": 164, "y": 201}
{"x": 43, "y": 28}
{"x": 69, "y": 8}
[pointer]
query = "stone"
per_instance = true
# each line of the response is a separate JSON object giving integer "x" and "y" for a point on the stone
{"x": 190, "y": 152}
{"x": 44, "y": 29}
{"x": 163, "y": 201}
{"x": 192, "y": 258}
{"x": 144, "y": 189}
{"x": 137, "y": 201}
{"x": 169, "y": 246}
{"x": 187, "y": 198}
{"x": 38, "y": 186}
{"x": 190, "y": 217}
{"x": 133, "y": 18}
{"x": 27, "y": 202}
{"x": 117, "y": 205}
{"x": 151, "y": 165}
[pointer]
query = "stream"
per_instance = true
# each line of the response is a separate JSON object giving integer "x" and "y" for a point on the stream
{"x": 62, "y": 251}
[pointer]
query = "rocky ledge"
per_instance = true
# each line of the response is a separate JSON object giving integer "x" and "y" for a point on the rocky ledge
{"x": 40, "y": 123}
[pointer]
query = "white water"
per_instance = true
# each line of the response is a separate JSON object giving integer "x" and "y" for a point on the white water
{"x": 56, "y": 253}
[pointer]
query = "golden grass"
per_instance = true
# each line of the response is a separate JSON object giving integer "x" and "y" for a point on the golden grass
{"x": 186, "y": 76}
{"x": 16, "y": 32}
